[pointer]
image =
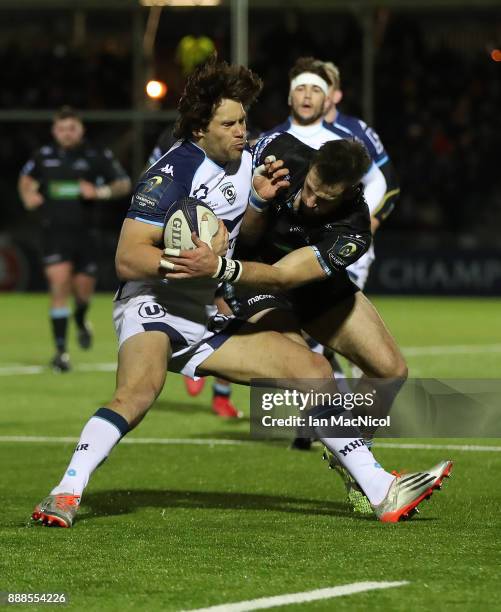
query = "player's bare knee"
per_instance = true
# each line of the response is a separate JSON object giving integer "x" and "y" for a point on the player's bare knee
{"x": 311, "y": 365}
{"x": 133, "y": 402}
{"x": 393, "y": 365}
{"x": 402, "y": 370}
{"x": 321, "y": 366}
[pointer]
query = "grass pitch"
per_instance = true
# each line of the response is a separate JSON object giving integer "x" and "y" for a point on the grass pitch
{"x": 184, "y": 526}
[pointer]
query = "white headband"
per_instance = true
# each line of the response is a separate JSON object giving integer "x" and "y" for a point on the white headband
{"x": 309, "y": 78}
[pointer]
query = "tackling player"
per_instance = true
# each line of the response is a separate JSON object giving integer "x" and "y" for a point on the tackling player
{"x": 165, "y": 324}
{"x": 313, "y": 97}
{"x": 65, "y": 180}
{"x": 310, "y": 96}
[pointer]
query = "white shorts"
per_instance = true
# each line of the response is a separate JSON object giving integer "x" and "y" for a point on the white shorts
{"x": 359, "y": 271}
{"x": 191, "y": 341}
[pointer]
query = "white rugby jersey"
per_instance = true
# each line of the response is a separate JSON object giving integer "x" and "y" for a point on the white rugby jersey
{"x": 316, "y": 135}
{"x": 186, "y": 171}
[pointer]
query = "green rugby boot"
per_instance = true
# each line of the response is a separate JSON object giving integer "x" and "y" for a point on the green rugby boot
{"x": 356, "y": 498}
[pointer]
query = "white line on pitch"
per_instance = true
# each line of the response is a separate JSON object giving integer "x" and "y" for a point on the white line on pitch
{"x": 452, "y": 349}
{"x": 224, "y": 442}
{"x": 458, "y": 447}
{"x": 295, "y": 598}
{"x": 13, "y": 369}
{"x": 162, "y": 441}
{"x": 10, "y": 369}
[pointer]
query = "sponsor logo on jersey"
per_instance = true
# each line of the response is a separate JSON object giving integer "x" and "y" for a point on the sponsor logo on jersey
{"x": 51, "y": 163}
{"x": 201, "y": 192}
{"x": 150, "y": 310}
{"x": 168, "y": 169}
{"x": 374, "y": 138}
{"x": 229, "y": 192}
{"x": 64, "y": 190}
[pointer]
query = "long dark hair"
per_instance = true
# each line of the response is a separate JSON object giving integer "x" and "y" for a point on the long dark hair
{"x": 206, "y": 87}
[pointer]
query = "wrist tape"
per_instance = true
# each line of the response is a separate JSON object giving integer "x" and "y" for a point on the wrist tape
{"x": 228, "y": 270}
{"x": 258, "y": 203}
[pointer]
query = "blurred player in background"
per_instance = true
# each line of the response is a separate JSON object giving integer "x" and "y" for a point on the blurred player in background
{"x": 308, "y": 97}
{"x": 66, "y": 181}
{"x": 221, "y": 389}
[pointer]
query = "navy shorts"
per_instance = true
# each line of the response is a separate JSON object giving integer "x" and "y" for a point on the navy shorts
{"x": 73, "y": 245}
{"x": 307, "y": 302}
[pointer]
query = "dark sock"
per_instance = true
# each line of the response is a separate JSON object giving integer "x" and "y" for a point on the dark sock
{"x": 221, "y": 389}
{"x": 80, "y": 312}
{"x": 59, "y": 320}
{"x": 385, "y": 390}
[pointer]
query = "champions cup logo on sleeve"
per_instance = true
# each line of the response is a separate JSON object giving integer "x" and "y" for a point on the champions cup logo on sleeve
{"x": 152, "y": 183}
{"x": 344, "y": 249}
{"x": 348, "y": 249}
{"x": 150, "y": 191}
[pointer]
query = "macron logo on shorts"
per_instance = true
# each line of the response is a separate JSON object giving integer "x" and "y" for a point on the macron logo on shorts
{"x": 258, "y": 298}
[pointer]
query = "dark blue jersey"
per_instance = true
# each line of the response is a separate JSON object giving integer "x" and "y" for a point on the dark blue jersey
{"x": 348, "y": 126}
{"x": 58, "y": 172}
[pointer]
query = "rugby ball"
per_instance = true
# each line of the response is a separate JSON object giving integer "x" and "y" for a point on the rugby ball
{"x": 185, "y": 216}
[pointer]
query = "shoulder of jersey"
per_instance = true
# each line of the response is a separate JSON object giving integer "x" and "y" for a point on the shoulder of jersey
{"x": 358, "y": 129}
{"x": 281, "y": 127}
{"x": 348, "y": 123}
{"x": 273, "y": 136}
{"x": 360, "y": 201}
{"x": 180, "y": 164}
{"x": 343, "y": 129}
